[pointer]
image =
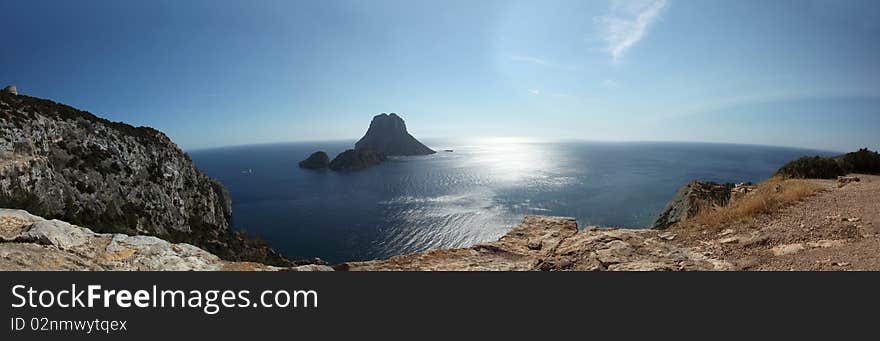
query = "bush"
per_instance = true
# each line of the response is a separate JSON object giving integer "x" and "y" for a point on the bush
{"x": 863, "y": 161}
{"x": 815, "y": 167}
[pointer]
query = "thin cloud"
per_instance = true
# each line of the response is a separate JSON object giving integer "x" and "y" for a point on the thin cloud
{"x": 527, "y": 59}
{"x": 626, "y": 23}
{"x": 610, "y": 84}
{"x": 535, "y": 91}
{"x": 543, "y": 62}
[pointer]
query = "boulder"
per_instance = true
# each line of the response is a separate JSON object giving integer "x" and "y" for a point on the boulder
{"x": 356, "y": 159}
{"x": 318, "y": 160}
{"x": 388, "y": 135}
{"x": 844, "y": 180}
{"x": 11, "y": 89}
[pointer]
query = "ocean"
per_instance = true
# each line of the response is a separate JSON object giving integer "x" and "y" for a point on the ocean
{"x": 476, "y": 193}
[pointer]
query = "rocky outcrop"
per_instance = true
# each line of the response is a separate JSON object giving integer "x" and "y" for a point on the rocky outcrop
{"x": 844, "y": 180}
{"x": 318, "y": 160}
{"x": 356, "y": 159}
{"x": 691, "y": 198}
{"x": 11, "y": 89}
{"x": 552, "y": 244}
{"x": 60, "y": 162}
{"x": 29, "y": 242}
{"x": 387, "y": 135}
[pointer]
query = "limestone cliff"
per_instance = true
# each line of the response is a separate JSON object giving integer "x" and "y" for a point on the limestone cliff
{"x": 60, "y": 162}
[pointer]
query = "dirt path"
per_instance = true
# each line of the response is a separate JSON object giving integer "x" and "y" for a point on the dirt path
{"x": 837, "y": 229}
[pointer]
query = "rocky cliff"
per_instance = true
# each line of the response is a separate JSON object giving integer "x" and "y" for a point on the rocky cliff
{"x": 388, "y": 135}
{"x": 60, "y": 162}
{"x": 28, "y": 242}
{"x": 690, "y": 199}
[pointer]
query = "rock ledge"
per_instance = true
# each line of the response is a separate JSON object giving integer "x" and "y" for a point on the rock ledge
{"x": 29, "y": 242}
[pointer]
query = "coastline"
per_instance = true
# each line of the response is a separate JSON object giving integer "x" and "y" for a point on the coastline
{"x": 792, "y": 238}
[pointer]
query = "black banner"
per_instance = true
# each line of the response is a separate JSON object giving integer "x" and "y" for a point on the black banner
{"x": 420, "y": 305}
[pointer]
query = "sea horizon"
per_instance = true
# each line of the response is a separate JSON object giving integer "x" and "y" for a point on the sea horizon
{"x": 474, "y": 194}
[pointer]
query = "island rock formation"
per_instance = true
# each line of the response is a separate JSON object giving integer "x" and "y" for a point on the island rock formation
{"x": 356, "y": 159}
{"x": 387, "y": 135}
{"x": 60, "y": 162}
{"x": 318, "y": 160}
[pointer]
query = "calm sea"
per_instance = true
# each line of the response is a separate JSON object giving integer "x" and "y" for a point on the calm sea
{"x": 474, "y": 194}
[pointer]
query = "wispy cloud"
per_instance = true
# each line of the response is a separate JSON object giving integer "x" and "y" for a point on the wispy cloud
{"x": 610, "y": 84}
{"x": 627, "y": 22}
{"x": 561, "y": 96}
{"x": 556, "y": 95}
{"x": 543, "y": 62}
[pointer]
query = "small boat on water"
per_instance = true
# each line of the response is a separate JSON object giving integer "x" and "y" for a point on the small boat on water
{"x": 247, "y": 171}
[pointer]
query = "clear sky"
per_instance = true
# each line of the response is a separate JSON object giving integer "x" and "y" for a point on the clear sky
{"x": 212, "y": 73}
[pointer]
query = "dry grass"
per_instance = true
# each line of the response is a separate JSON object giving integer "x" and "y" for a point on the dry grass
{"x": 769, "y": 196}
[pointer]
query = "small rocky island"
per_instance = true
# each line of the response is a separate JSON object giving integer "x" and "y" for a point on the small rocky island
{"x": 318, "y": 160}
{"x": 356, "y": 159}
{"x": 387, "y": 136}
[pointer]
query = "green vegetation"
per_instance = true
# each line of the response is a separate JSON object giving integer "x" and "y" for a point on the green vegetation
{"x": 862, "y": 161}
{"x": 19, "y": 198}
{"x": 228, "y": 245}
{"x": 113, "y": 219}
{"x": 812, "y": 167}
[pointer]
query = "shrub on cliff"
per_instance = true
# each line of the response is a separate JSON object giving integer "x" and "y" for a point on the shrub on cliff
{"x": 863, "y": 161}
{"x": 813, "y": 167}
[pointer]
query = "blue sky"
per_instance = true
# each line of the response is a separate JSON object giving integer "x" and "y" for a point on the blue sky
{"x": 212, "y": 73}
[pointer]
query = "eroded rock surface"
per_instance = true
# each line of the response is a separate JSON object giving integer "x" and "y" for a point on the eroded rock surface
{"x": 543, "y": 243}
{"x": 29, "y": 242}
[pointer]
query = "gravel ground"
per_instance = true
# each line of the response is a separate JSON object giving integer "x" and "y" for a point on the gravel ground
{"x": 837, "y": 229}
